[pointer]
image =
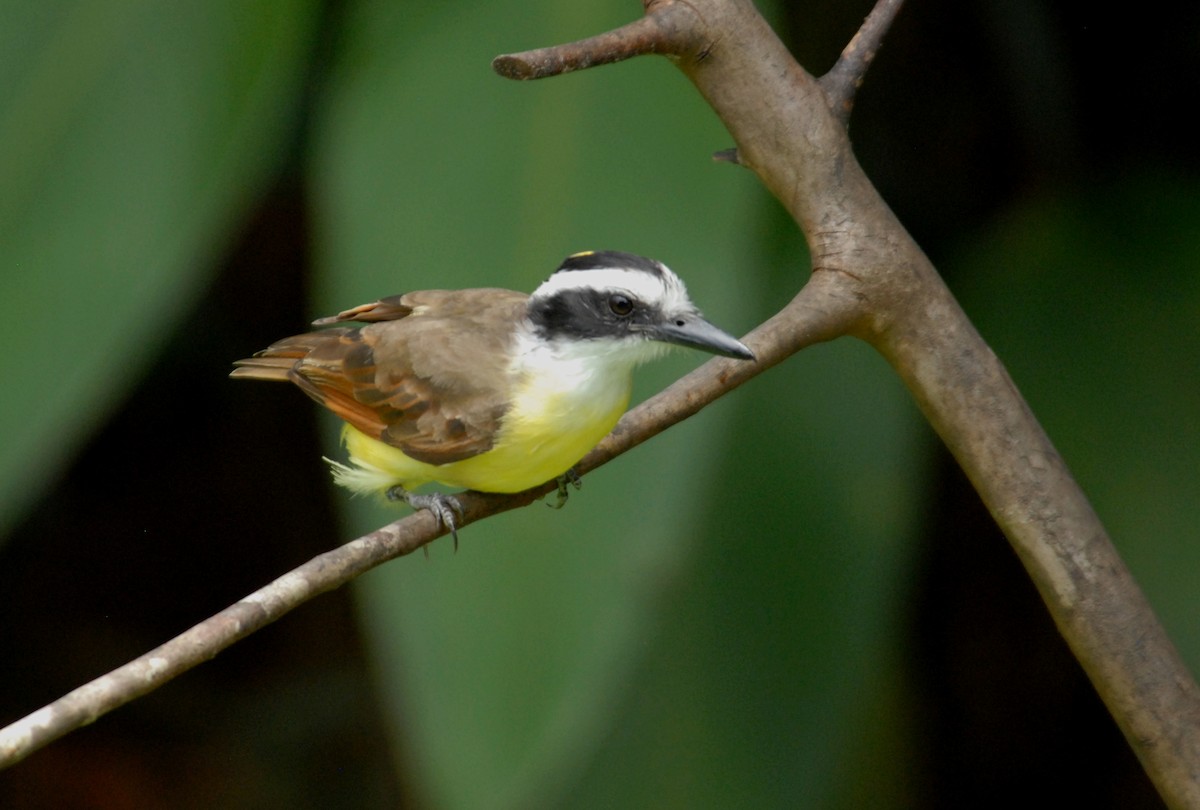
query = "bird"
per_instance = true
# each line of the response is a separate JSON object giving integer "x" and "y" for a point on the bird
{"x": 489, "y": 389}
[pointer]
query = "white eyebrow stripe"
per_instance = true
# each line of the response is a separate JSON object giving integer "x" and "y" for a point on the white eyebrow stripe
{"x": 667, "y": 290}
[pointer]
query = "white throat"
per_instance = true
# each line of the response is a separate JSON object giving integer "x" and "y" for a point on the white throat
{"x": 586, "y": 366}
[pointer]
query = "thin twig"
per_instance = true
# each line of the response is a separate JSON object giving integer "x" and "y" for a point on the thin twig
{"x": 657, "y": 32}
{"x": 806, "y": 320}
{"x": 842, "y": 81}
{"x": 150, "y": 671}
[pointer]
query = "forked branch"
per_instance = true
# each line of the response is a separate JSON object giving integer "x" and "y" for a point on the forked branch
{"x": 869, "y": 280}
{"x": 790, "y": 129}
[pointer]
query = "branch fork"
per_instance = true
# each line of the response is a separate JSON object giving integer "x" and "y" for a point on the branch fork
{"x": 870, "y": 280}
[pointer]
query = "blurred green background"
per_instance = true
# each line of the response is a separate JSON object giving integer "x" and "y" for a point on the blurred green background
{"x": 791, "y": 600}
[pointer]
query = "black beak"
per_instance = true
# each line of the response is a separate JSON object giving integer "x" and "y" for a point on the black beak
{"x": 693, "y": 331}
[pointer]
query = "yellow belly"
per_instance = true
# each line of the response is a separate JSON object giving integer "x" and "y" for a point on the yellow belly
{"x": 543, "y": 434}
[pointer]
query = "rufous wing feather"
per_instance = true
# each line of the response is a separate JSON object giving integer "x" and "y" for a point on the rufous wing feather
{"x": 385, "y": 309}
{"x": 410, "y": 378}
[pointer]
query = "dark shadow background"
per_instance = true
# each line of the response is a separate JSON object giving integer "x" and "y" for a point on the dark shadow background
{"x": 1049, "y": 94}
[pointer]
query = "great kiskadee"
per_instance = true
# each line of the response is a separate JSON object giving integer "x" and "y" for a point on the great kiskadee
{"x": 489, "y": 389}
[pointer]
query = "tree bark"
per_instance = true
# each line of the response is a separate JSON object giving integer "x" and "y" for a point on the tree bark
{"x": 790, "y": 129}
{"x": 869, "y": 280}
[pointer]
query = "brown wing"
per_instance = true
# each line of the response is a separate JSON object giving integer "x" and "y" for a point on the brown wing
{"x": 415, "y": 377}
{"x": 385, "y": 309}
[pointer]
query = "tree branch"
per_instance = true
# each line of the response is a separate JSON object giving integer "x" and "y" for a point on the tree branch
{"x": 666, "y": 31}
{"x": 810, "y": 315}
{"x": 842, "y": 81}
{"x": 790, "y": 129}
{"x": 869, "y": 280}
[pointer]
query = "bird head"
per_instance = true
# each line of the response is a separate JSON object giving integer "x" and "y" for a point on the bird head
{"x": 623, "y": 303}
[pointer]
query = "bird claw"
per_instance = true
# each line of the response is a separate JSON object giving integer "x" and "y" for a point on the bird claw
{"x": 445, "y": 508}
{"x": 569, "y": 477}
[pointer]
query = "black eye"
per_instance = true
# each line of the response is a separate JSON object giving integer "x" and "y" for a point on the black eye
{"x": 620, "y": 304}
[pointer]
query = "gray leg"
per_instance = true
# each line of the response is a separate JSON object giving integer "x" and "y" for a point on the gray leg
{"x": 569, "y": 477}
{"x": 444, "y": 507}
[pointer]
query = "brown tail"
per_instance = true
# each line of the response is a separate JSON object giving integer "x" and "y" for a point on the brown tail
{"x": 275, "y": 363}
{"x": 275, "y": 369}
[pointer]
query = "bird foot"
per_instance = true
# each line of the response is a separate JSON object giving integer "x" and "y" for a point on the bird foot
{"x": 571, "y": 477}
{"x": 445, "y": 508}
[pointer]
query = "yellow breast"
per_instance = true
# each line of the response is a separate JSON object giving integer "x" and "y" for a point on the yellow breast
{"x": 557, "y": 414}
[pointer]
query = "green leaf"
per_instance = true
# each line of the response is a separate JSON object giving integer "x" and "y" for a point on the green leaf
{"x": 133, "y": 137}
